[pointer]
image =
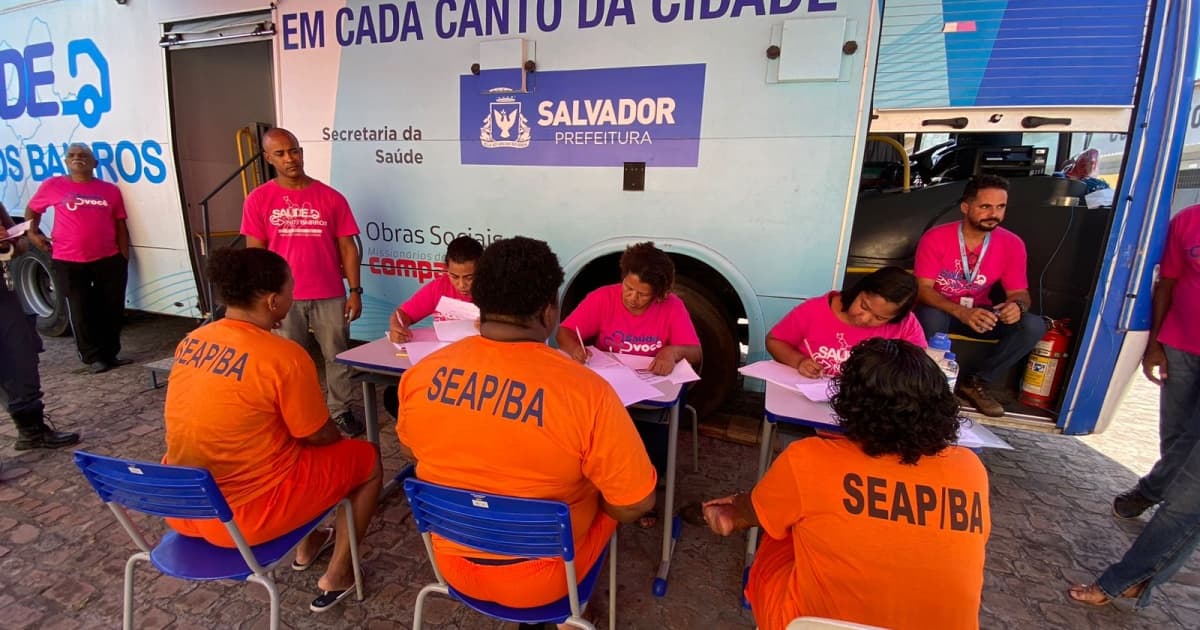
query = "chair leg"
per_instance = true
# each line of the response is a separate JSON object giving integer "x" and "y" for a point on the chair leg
{"x": 127, "y": 606}
{"x": 354, "y": 560}
{"x": 419, "y": 609}
{"x": 695, "y": 438}
{"x": 612, "y": 581}
{"x": 268, "y": 582}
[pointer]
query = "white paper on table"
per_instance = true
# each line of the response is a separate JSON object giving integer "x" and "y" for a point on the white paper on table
{"x": 418, "y": 350}
{"x": 682, "y": 372}
{"x": 16, "y": 231}
{"x": 629, "y": 387}
{"x": 451, "y": 308}
{"x": 455, "y": 329}
{"x": 598, "y": 358}
{"x": 816, "y": 391}
{"x": 786, "y": 377}
{"x": 971, "y": 434}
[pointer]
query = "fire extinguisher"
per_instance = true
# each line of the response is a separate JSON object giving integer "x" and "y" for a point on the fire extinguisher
{"x": 1046, "y": 367}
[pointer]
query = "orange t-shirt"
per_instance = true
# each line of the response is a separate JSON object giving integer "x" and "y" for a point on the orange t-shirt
{"x": 876, "y": 541}
{"x": 238, "y": 400}
{"x": 521, "y": 419}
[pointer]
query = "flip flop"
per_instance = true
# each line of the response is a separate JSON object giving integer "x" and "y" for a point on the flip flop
{"x": 1079, "y": 592}
{"x": 326, "y": 545}
{"x": 649, "y": 520}
{"x": 327, "y": 599}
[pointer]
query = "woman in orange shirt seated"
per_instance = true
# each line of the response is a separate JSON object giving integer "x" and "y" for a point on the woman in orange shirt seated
{"x": 885, "y": 525}
{"x": 245, "y": 404}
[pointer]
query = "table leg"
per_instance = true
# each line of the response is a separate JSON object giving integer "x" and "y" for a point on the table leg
{"x": 671, "y": 525}
{"x": 371, "y": 420}
{"x": 764, "y": 458}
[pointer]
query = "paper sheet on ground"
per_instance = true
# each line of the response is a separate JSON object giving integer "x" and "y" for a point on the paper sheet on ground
{"x": 816, "y": 390}
{"x": 971, "y": 434}
{"x": 455, "y": 329}
{"x": 451, "y": 308}
{"x": 15, "y": 231}
{"x": 683, "y": 372}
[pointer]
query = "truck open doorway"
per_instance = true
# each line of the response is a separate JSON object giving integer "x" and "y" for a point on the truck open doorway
{"x": 219, "y": 84}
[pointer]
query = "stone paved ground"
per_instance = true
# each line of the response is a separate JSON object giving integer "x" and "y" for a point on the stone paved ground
{"x": 61, "y": 553}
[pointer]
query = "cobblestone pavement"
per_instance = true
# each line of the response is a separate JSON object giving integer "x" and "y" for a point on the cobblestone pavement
{"x": 61, "y": 553}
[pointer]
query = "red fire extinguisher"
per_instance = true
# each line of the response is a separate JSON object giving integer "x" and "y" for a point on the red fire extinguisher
{"x": 1046, "y": 368}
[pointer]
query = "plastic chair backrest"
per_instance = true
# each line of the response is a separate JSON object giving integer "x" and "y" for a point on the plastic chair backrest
{"x": 157, "y": 489}
{"x": 525, "y": 528}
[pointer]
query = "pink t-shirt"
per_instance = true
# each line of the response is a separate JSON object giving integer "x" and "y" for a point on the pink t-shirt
{"x": 830, "y": 338}
{"x": 85, "y": 217}
{"x": 303, "y": 226}
{"x": 603, "y": 319}
{"x": 1181, "y": 261}
{"x": 939, "y": 259}
{"x": 425, "y": 300}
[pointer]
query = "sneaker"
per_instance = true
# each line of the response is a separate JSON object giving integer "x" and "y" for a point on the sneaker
{"x": 975, "y": 392}
{"x": 1131, "y": 504}
{"x": 349, "y": 425}
{"x": 99, "y": 367}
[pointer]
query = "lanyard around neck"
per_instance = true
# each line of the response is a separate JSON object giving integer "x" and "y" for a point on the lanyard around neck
{"x": 968, "y": 273}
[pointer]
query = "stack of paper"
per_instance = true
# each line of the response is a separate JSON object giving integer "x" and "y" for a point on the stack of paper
{"x": 814, "y": 389}
{"x": 455, "y": 319}
{"x": 15, "y": 231}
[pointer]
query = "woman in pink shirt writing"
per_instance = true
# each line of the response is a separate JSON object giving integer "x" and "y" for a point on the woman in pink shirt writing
{"x": 640, "y": 315}
{"x": 816, "y": 337}
{"x": 461, "y": 255}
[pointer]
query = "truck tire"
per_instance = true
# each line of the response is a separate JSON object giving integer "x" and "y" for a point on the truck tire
{"x": 718, "y": 338}
{"x": 37, "y": 290}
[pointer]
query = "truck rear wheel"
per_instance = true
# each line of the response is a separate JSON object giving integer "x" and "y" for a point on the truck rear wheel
{"x": 37, "y": 290}
{"x": 718, "y": 338}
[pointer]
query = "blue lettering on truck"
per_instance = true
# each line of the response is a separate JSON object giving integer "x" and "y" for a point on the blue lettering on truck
{"x": 32, "y": 67}
{"x": 390, "y": 22}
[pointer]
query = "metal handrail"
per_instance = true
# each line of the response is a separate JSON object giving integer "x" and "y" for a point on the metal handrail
{"x": 206, "y": 224}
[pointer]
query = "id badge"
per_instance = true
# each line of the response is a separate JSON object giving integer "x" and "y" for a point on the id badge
{"x": 967, "y": 301}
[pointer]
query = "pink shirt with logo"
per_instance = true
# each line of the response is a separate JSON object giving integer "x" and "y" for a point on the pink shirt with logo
{"x": 303, "y": 226}
{"x": 830, "y": 338}
{"x": 424, "y": 302}
{"x": 603, "y": 319}
{"x": 1181, "y": 261}
{"x": 85, "y": 217}
{"x": 940, "y": 259}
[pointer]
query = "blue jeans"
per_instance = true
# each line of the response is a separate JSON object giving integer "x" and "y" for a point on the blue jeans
{"x": 1178, "y": 422}
{"x": 1174, "y": 532}
{"x": 1016, "y": 339}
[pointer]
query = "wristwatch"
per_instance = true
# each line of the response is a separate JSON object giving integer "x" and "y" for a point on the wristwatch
{"x": 1021, "y": 307}
{"x": 358, "y": 290}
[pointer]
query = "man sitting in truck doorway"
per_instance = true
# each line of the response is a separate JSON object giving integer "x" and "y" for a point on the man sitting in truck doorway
{"x": 311, "y": 226}
{"x": 90, "y": 254}
{"x": 956, "y": 266}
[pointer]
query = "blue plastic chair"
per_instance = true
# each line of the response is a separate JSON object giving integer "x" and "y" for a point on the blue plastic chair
{"x": 183, "y": 492}
{"x": 510, "y": 526}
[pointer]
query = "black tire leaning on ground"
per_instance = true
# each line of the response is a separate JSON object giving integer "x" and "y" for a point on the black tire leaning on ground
{"x": 718, "y": 338}
{"x": 37, "y": 290}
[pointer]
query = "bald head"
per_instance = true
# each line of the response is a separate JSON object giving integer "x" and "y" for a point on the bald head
{"x": 283, "y": 152}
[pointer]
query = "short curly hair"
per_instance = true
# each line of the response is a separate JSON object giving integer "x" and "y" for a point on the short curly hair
{"x": 243, "y": 275}
{"x": 892, "y": 399}
{"x": 652, "y": 266}
{"x": 516, "y": 277}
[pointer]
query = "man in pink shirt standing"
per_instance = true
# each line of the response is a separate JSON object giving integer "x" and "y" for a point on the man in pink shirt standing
{"x": 957, "y": 265}
{"x": 1169, "y": 539}
{"x": 311, "y": 226}
{"x": 90, "y": 254}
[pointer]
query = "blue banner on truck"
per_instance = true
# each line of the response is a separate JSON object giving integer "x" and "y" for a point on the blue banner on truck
{"x": 602, "y": 117}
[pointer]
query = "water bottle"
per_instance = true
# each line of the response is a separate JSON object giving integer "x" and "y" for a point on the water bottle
{"x": 949, "y": 365}
{"x": 939, "y": 345}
